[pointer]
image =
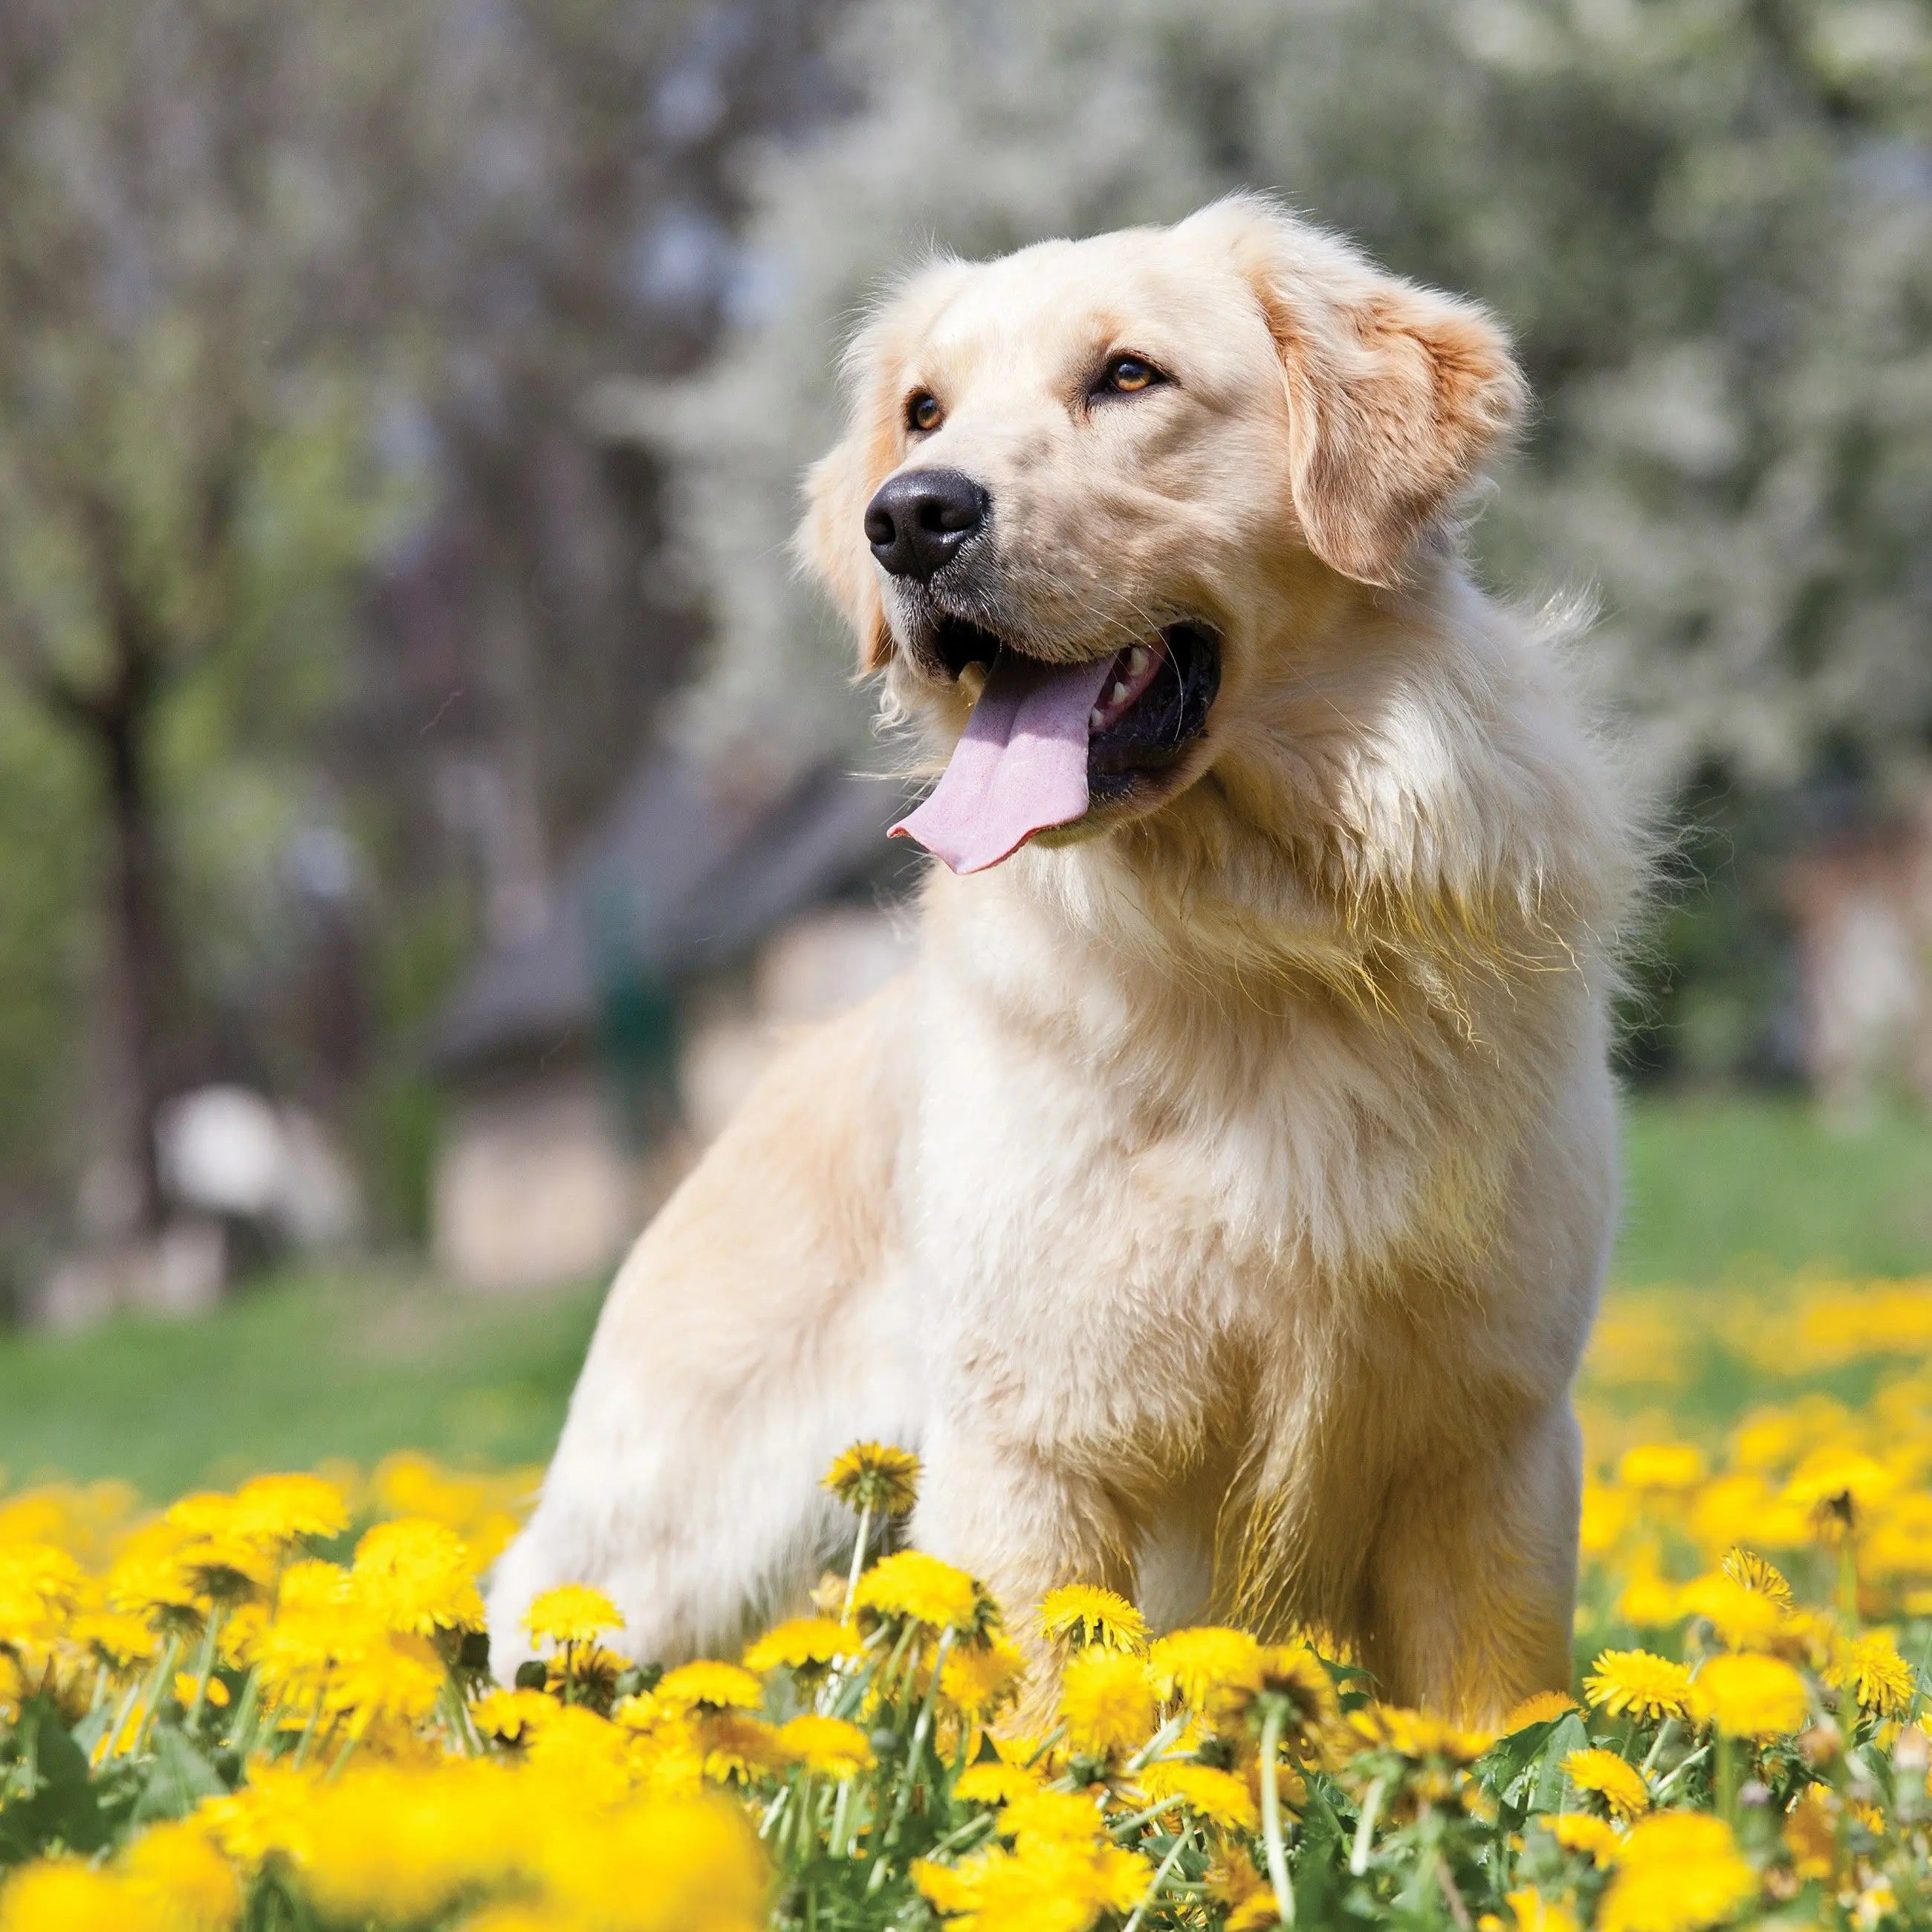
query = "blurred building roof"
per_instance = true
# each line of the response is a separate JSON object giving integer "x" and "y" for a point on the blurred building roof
{"x": 689, "y": 872}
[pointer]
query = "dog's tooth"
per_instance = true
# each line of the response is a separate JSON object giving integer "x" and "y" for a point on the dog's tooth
{"x": 1094, "y": 721}
{"x": 1118, "y": 694}
{"x": 1137, "y": 660}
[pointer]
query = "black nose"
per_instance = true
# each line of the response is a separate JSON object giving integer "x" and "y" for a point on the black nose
{"x": 920, "y": 517}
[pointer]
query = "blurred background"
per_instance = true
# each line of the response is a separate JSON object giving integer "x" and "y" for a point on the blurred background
{"x": 424, "y": 791}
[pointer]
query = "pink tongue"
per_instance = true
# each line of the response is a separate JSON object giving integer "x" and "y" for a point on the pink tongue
{"x": 1020, "y": 765}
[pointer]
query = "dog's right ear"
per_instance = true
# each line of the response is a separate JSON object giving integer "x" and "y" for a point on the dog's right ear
{"x": 830, "y": 541}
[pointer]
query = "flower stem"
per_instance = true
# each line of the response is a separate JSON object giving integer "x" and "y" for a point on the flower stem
{"x": 1365, "y": 1829}
{"x": 1271, "y": 1836}
{"x": 858, "y": 1560}
{"x": 1160, "y": 1876}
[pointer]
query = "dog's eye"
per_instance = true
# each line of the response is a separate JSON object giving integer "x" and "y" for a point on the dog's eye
{"x": 1127, "y": 375}
{"x": 922, "y": 412}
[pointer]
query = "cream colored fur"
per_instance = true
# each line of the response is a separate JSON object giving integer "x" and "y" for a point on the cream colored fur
{"x": 1219, "y": 1204}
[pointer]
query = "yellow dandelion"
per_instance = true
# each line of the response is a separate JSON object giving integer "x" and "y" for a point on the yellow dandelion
{"x": 64, "y": 1895}
{"x": 175, "y": 1870}
{"x": 415, "y": 1576}
{"x": 1208, "y": 1667}
{"x": 1052, "y": 1817}
{"x": 1107, "y": 1702}
{"x": 1638, "y": 1683}
{"x": 280, "y": 1510}
{"x": 1747, "y": 1567}
{"x": 1417, "y": 1736}
{"x": 1220, "y": 1798}
{"x": 1581, "y": 1831}
{"x": 511, "y": 1716}
{"x": 1871, "y": 1669}
{"x": 1242, "y": 1892}
{"x": 807, "y": 1645}
{"x": 912, "y": 1585}
{"x": 216, "y": 1546}
{"x": 40, "y": 1588}
{"x": 1840, "y": 1484}
{"x": 1662, "y": 1468}
{"x": 1750, "y": 1696}
{"x": 1082, "y": 1614}
{"x": 1603, "y": 1773}
{"x": 876, "y": 1477}
{"x": 185, "y": 1681}
{"x": 738, "y": 1748}
{"x": 1533, "y": 1912}
{"x": 1677, "y": 1871}
{"x": 993, "y": 1783}
{"x": 571, "y": 1613}
{"x": 1543, "y": 1707}
{"x": 978, "y": 1677}
{"x": 1743, "y": 1618}
{"x": 707, "y": 1685}
{"x": 829, "y": 1746}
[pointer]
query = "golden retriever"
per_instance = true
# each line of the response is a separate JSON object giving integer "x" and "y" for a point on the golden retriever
{"x": 1219, "y": 1205}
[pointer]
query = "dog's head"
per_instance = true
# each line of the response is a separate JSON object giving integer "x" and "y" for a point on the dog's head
{"x": 1104, "y": 473}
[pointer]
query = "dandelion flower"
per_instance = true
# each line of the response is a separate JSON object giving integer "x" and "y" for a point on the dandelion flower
{"x": 1207, "y": 1667}
{"x": 39, "y": 1587}
{"x": 707, "y": 1685}
{"x": 1582, "y": 1831}
{"x": 1245, "y": 1896}
{"x": 175, "y": 1870}
{"x": 1543, "y": 1707}
{"x": 1107, "y": 1701}
{"x": 1663, "y": 1469}
{"x": 513, "y": 1716}
{"x": 1839, "y": 1483}
{"x": 993, "y": 1783}
{"x": 64, "y": 1894}
{"x": 1743, "y": 1618}
{"x": 1638, "y": 1684}
{"x": 1533, "y": 1912}
{"x": 1677, "y": 1871}
{"x": 829, "y": 1746}
{"x": 978, "y": 1677}
{"x": 1220, "y": 1798}
{"x": 913, "y": 1584}
{"x": 1052, "y": 1817}
{"x": 1619, "y": 1785}
{"x": 416, "y": 1575}
{"x": 279, "y": 1510}
{"x": 1082, "y": 1614}
{"x": 571, "y": 1613}
{"x": 875, "y": 1476}
{"x": 1750, "y": 1696}
{"x": 740, "y": 1748}
{"x": 1871, "y": 1669}
{"x": 1414, "y": 1734}
{"x": 807, "y": 1644}
{"x": 1747, "y": 1567}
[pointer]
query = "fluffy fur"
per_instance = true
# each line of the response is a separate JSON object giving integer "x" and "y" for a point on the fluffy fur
{"x": 1219, "y": 1204}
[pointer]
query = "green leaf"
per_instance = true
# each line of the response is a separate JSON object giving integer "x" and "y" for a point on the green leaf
{"x": 1568, "y": 1735}
{"x": 63, "y": 1809}
{"x": 181, "y": 1777}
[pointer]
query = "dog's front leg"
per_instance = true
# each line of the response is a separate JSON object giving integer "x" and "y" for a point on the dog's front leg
{"x": 1021, "y": 1519}
{"x": 1472, "y": 1576}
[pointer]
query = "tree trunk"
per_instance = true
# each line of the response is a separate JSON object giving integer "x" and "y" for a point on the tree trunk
{"x": 141, "y": 976}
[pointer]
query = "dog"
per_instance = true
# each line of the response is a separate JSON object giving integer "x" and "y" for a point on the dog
{"x": 1218, "y": 1204}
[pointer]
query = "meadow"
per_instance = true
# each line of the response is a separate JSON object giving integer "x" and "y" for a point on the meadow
{"x": 263, "y": 1703}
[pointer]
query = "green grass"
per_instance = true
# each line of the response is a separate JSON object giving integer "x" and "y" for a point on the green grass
{"x": 354, "y": 1365}
{"x": 1728, "y": 1186}
{"x": 289, "y": 1372}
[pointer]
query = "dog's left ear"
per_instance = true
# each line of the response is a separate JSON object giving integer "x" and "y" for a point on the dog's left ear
{"x": 1396, "y": 393}
{"x": 830, "y": 541}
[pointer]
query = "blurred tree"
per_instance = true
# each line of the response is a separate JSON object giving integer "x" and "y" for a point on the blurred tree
{"x": 289, "y": 288}
{"x": 1710, "y": 222}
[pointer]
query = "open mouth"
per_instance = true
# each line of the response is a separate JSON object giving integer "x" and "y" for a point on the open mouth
{"x": 1153, "y": 701}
